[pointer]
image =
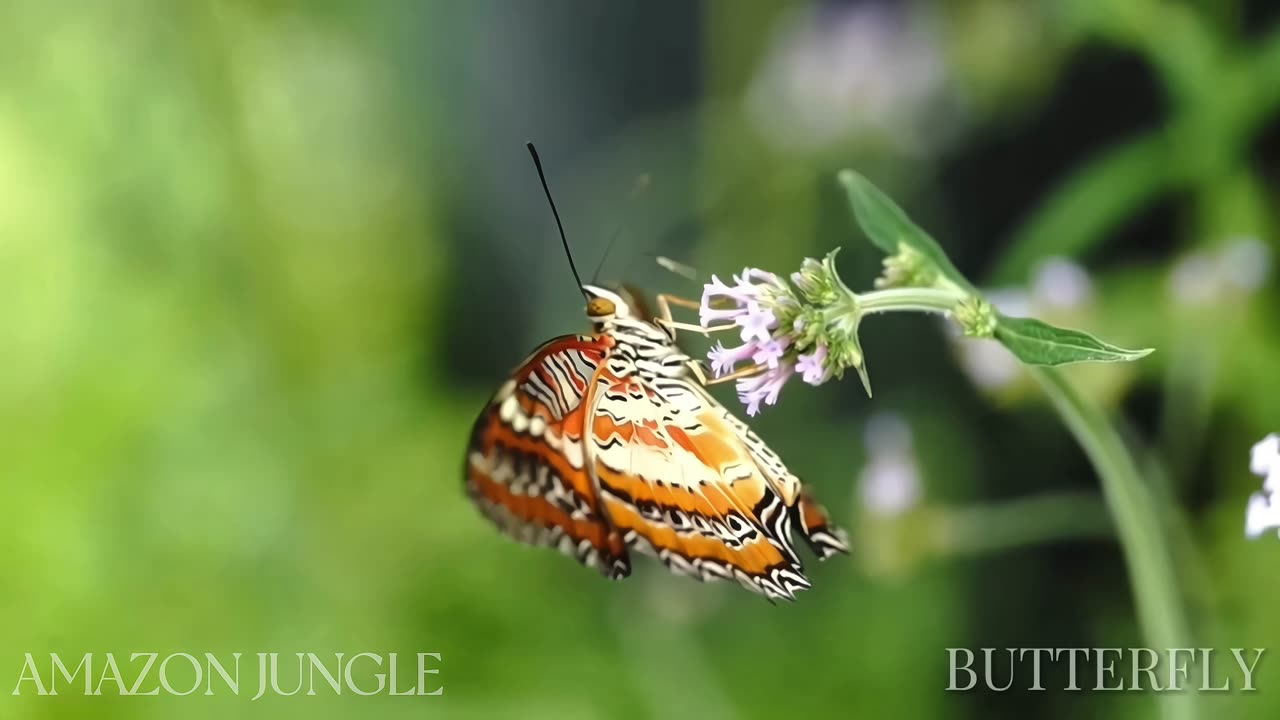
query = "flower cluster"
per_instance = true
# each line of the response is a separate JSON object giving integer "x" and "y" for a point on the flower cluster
{"x": 1264, "y": 507}
{"x": 802, "y": 327}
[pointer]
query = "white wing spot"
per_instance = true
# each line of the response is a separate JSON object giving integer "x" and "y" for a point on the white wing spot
{"x": 509, "y": 408}
{"x": 536, "y": 425}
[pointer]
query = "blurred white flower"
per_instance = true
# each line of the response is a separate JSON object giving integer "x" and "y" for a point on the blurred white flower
{"x": 1012, "y": 301}
{"x": 887, "y": 432}
{"x": 1059, "y": 282}
{"x": 987, "y": 363}
{"x": 1263, "y": 512}
{"x": 1264, "y": 460}
{"x": 836, "y": 71}
{"x": 1193, "y": 280}
{"x": 1241, "y": 265}
{"x": 1245, "y": 263}
{"x": 889, "y": 483}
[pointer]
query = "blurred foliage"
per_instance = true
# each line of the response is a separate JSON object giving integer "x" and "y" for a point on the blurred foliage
{"x": 263, "y": 262}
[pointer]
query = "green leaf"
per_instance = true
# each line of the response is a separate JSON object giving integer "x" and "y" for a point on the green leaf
{"x": 889, "y": 227}
{"x": 1039, "y": 343}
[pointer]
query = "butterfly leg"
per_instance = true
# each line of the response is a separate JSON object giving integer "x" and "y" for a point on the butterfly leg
{"x": 665, "y": 302}
{"x": 736, "y": 375}
{"x": 677, "y": 267}
{"x": 665, "y": 319}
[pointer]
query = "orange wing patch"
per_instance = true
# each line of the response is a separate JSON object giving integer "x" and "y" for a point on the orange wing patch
{"x": 685, "y": 490}
{"x": 822, "y": 535}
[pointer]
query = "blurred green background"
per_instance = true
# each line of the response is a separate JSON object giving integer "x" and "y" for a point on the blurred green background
{"x": 262, "y": 263}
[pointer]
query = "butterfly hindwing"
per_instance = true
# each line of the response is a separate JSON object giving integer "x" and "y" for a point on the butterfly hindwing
{"x": 678, "y": 483}
{"x": 525, "y": 465}
{"x": 822, "y": 536}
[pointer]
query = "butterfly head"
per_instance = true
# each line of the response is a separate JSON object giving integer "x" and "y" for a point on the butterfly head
{"x": 605, "y": 306}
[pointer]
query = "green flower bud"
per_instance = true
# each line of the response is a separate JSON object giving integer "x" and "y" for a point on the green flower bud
{"x": 976, "y": 317}
{"x": 907, "y": 268}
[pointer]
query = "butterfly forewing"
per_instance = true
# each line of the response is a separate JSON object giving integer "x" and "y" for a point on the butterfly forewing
{"x": 526, "y": 463}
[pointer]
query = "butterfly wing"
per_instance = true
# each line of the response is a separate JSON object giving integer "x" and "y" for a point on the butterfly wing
{"x": 680, "y": 484}
{"x": 822, "y": 536}
{"x": 525, "y": 466}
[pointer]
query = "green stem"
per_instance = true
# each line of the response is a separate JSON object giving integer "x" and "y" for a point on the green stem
{"x": 992, "y": 527}
{"x": 1138, "y": 524}
{"x": 909, "y": 298}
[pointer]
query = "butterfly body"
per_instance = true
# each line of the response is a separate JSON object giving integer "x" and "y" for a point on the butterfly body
{"x": 609, "y": 442}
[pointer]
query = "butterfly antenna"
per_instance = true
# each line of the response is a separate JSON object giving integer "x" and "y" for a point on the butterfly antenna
{"x": 641, "y": 184}
{"x": 559, "y": 225}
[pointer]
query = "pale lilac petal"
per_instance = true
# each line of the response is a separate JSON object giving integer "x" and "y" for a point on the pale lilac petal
{"x": 769, "y": 353}
{"x": 812, "y": 366}
{"x": 717, "y": 289}
{"x": 757, "y": 275}
{"x": 709, "y": 316}
{"x": 764, "y": 387}
{"x": 780, "y": 377}
{"x": 757, "y": 324}
{"x": 723, "y": 360}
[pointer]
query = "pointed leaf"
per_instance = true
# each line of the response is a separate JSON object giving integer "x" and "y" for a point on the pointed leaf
{"x": 888, "y": 227}
{"x": 1039, "y": 343}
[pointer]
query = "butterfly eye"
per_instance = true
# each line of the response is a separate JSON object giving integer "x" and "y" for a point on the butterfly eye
{"x": 600, "y": 307}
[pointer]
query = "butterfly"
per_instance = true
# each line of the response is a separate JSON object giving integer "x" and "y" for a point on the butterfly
{"x": 609, "y": 442}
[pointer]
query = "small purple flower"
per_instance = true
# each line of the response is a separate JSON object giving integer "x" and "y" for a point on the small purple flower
{"x": 763, "y": 387}
{"x": 770, "y": 352}
{"x": 724, "y": 359}
{"x": 760, "y": 276}
{"x": 757, "y": 323}
{"x": 812, "y": 366}
{"x": 717, "y": 289}
{"x": 764, "y": 307}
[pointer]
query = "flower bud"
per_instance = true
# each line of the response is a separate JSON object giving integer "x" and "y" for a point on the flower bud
{"x": 976, "y": 317}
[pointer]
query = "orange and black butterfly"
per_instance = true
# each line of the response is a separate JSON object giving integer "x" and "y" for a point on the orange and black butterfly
{"x": 608, "y": 442}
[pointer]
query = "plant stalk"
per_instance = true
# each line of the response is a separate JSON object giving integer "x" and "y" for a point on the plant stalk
{"x": 1138, "y": 525}
{"x": 993, "y": 527}
{"x": 932, "y": 300}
